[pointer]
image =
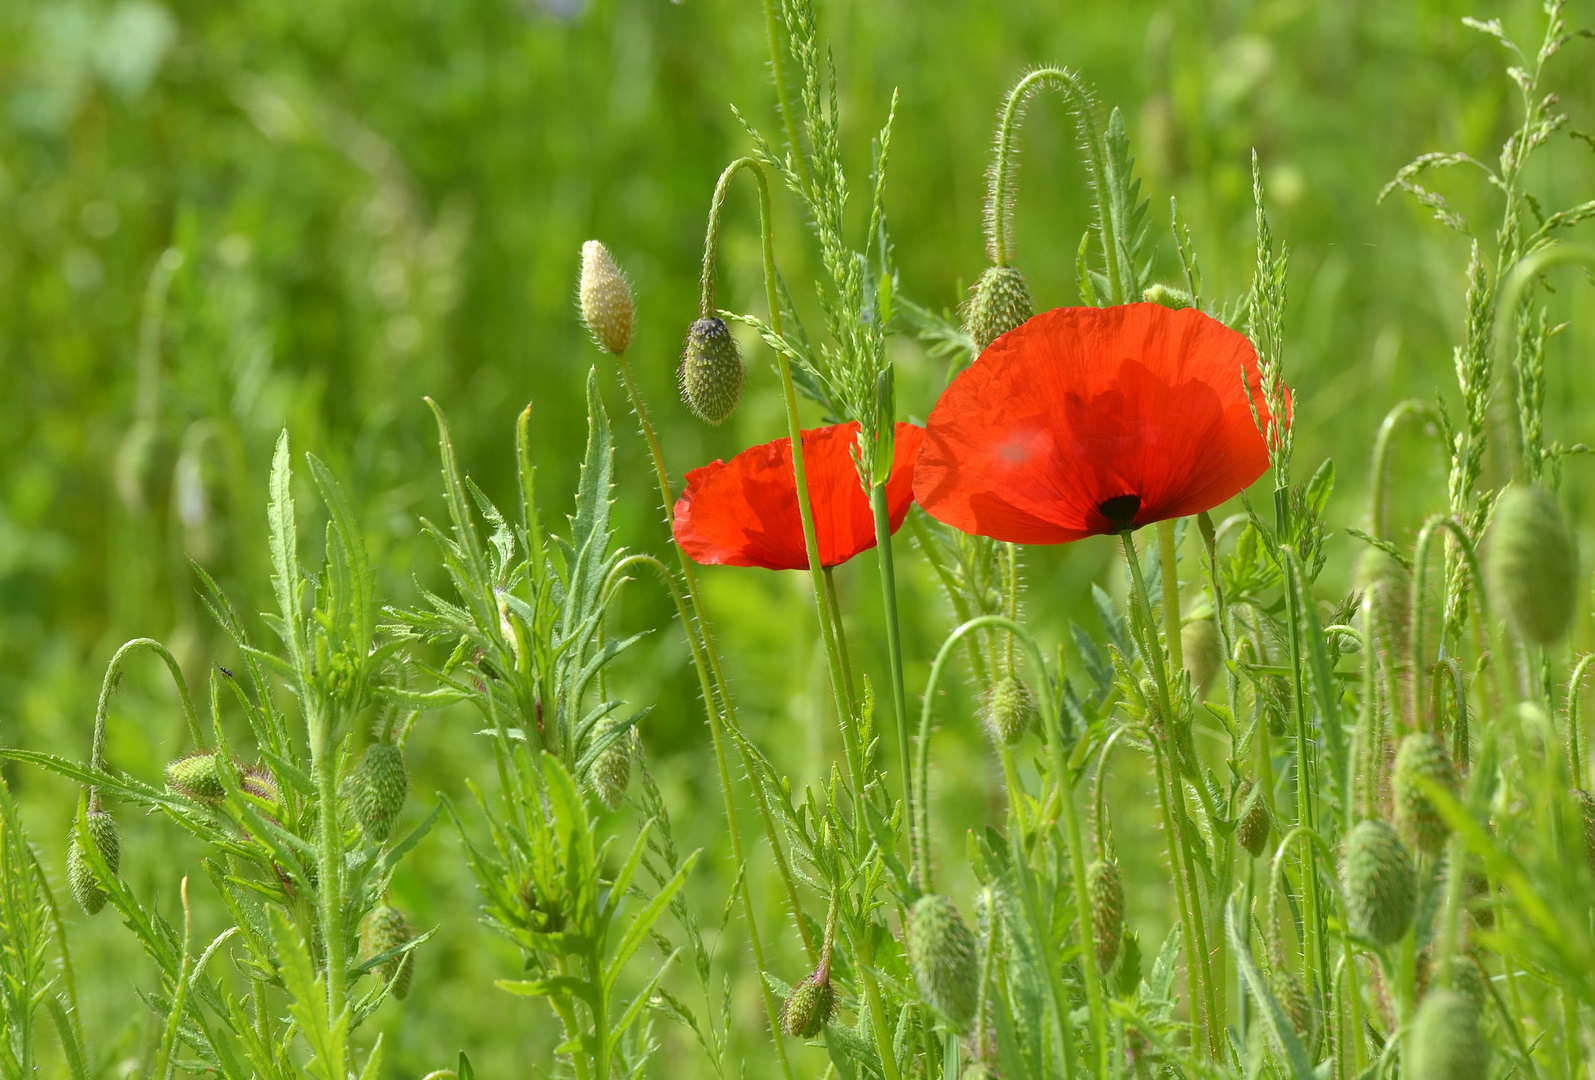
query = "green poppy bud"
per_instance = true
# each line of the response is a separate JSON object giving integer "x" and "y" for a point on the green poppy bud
{"x": 1252, "y": 823}
{"x": 195, "y": 777}
{"x": 1168, "y": 296}
{"x": 711, "y": 371}
{"x": 1446, "y": 1043}
{"x": 1292, "y": 997}
{"x": 1388, "y": 586}
{"x": 943, "y": 956}
{"x": 605, "y": 294}
{"x": 376, "y": 790}
{"x": 1010, "y": 710}
{"x": 808, "y": 1006}
{"x": 1203, "y": 649}
{"x": 611, "y": 772}
{"x": 385, "y": 928}
{"x": 1105, "y": 888}
{"x": 1000, "y": 301}
{"x": 1586, "y": 812}
{"x": 80, "y": 875}
{"x": 1462, "y": 974}
{"x": 1531, "y": 563}
{"x": 1381, "y": 890}
{"x": 1421, "y": 756}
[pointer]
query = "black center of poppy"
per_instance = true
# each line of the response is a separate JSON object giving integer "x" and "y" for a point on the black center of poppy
{"x": 1120, "y": 511}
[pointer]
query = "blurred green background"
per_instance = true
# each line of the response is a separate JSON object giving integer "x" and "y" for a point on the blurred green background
{"x": 220, "y": 220}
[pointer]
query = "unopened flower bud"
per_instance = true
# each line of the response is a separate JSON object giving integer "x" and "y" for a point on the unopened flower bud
{"x": 1292, "y": 997}
{"x": 376, "y": 790}
{"x": 1388, "y": 586}
{"x": 1461, "y": 974}
{"x": 943, "y": 956}
{"x": 195, "y": 776}
{"x": 1203, "y": 650}
{"x": 1105, "y": 887}
{"x": 1252, "y": 823}
{"x": 606, "y": 304}
{"x": 1421, "y": 757}
{"x": 808, "y": 1006}
{"x": 1585, "y": 803}
{"x": 1168, "y": 296}
{"x": 1000, "y": 301}
{"x": 1010, "y": 710}
{"x": 384, "y": 929}
{"x": 711, "y": 370}
{"x": 1532, "y": 564}
{"x": 80, "y": 876}
{"x": 1446, "y": 1043}
{"x": 1381, "y": 890}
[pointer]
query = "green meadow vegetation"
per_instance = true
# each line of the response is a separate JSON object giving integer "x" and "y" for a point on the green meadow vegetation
{"x": 361, "y": 714}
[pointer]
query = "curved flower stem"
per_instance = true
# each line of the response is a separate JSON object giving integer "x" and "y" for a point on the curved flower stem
{"x": 1196, "y": 957}
{"x": 113, "y": 676}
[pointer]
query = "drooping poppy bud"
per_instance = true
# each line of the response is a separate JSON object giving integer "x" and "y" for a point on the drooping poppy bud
{"x": 377, "y": 788}
{"x": 80, "y": 876}
{"x": 1252, "y": 822}
{"x": 611, "y": 772}
{"x": 1287, "y": 989}
{"x": 1586, "y": 813}
{"x": 1421, "y": 757}
{"x": 1446, "y": 1043}
{"x": 195, "y": 777}
{"x": 711, "y": 370}
{"x": 999, "y": 302}
{"x": 1203, "y": 650}
{"x": 1168, "y": 296}
{"x": 1381, "y": 890}
{"x": 1388, "y": 586}
{"x": 1531, "y": 563}
{"x": 1010, "y": 710}
{"x": 1105, "y": 888}
{"x": 606, "y": 305}
{"x": 808, "y": 1006}
{"x": 385, "y": 928}
{"x": 943, "y": 956}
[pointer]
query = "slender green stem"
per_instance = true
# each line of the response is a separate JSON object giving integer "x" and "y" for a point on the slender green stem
{"x": 113, "y": 676}
{"x": 329, "y": 886}
{"x": 1168, "y": 560}
{"x": 1575, "y": 756}
{"x": 1313, "y": 959}
{"x": 834, "y": 605}
{"x": 894, "y": 646}
{"x": 783, "y": 96}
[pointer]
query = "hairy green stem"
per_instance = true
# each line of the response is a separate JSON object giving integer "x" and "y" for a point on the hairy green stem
{"x": 894, "y": 645}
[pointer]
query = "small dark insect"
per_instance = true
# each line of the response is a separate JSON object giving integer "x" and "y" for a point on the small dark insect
{"x": 224, "y": 671}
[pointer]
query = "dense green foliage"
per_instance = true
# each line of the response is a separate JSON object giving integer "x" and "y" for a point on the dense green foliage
{"x": 220, "y": 221}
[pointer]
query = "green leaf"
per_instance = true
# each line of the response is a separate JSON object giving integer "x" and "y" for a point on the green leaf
{"x": 307, "y": 1003}
{"x": 1292, "y": 1053}
{"x": 284, "y": 543}
{"x": 637, "y": 932}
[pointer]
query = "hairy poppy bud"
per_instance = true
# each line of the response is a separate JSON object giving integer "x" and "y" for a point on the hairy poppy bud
{"x": 385, "y": 928}
{"x": 611, "y": 772}
{"x": 1446, "y": 1042}
{"x": 1203, "y": 649}
{"x": 195, "y": 777}
{"x": 711, "y": 371}
{"x": 606, "y": 304}
{"x": 1000, "y": 301}
{"x": 1388, "y": 586}
{"x": 80, "y": 876}
{"x": 377, "y": 788}
{"x": 1586, "y": 813}
{"x": 1252, "y": 822}
{"x": 1421, "y": 756}
{"x": 808, "y": 1007}
{"x": 1381, "y": 889}
{"x": 942, "y": 953}
{"x": 1531, "y": 563}
{"x": 1010, "y": 710}
{"x": 1461, "y": 974}
{"x": 261, "y": 784}
{"x": 1168, "y": 296}
{"x": 1105, "y": 888}
{"x": 1292, "y": 997}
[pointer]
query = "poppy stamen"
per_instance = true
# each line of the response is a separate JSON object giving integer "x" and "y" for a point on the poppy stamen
{"x": 1120, "y": 511}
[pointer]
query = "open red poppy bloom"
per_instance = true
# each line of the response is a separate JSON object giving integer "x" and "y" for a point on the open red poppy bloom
{"x": 744, "y": 512}
{"x": 1088, "y": 421}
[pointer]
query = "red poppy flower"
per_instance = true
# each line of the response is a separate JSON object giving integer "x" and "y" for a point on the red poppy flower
{"x": 1086, "y": 421}
{"x": 744, "y": 512}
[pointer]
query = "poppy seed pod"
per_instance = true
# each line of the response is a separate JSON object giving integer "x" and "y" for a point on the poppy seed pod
{"x": 1531, "y": 564}
{"x": 943, "y": 955}
{"x": 605, "y": 295}
{"x": 711, "y": 371}
{"x": 1105, "y": 888}
{"x": 195, "y": 777}
{"x": 1168, "y": 296}
{"x": 611, "y": 772}
{"x": 1421, "y": 757}
{"x": 377, "y": 788}
{"x": 80, "y": 876}
{"x": 1586, "y": 813}
{"x": 1446, "y": 1043}
{"x": 1252, "y": 823}
{"x": 385, "y": 928}
{"x": 999, "y": 302}
{"x": 1381, "y": 889}
{"x": 1203, "y": 650}
{"x": 1010, "y": 710}
{"x": 808, "y": 1006}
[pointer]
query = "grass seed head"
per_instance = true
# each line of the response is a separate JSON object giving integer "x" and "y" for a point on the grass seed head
{"x": 1421, "y": 756}
{"x": 944, "y": 958}
{"x": 1381, "y": 889}
{"x": 80, "y": 876}
{"x": 1531, "y": 564}
{"x": 606, "y": 305}
{"x": 711, "y": 371}
{"x": 999, "y": 302}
